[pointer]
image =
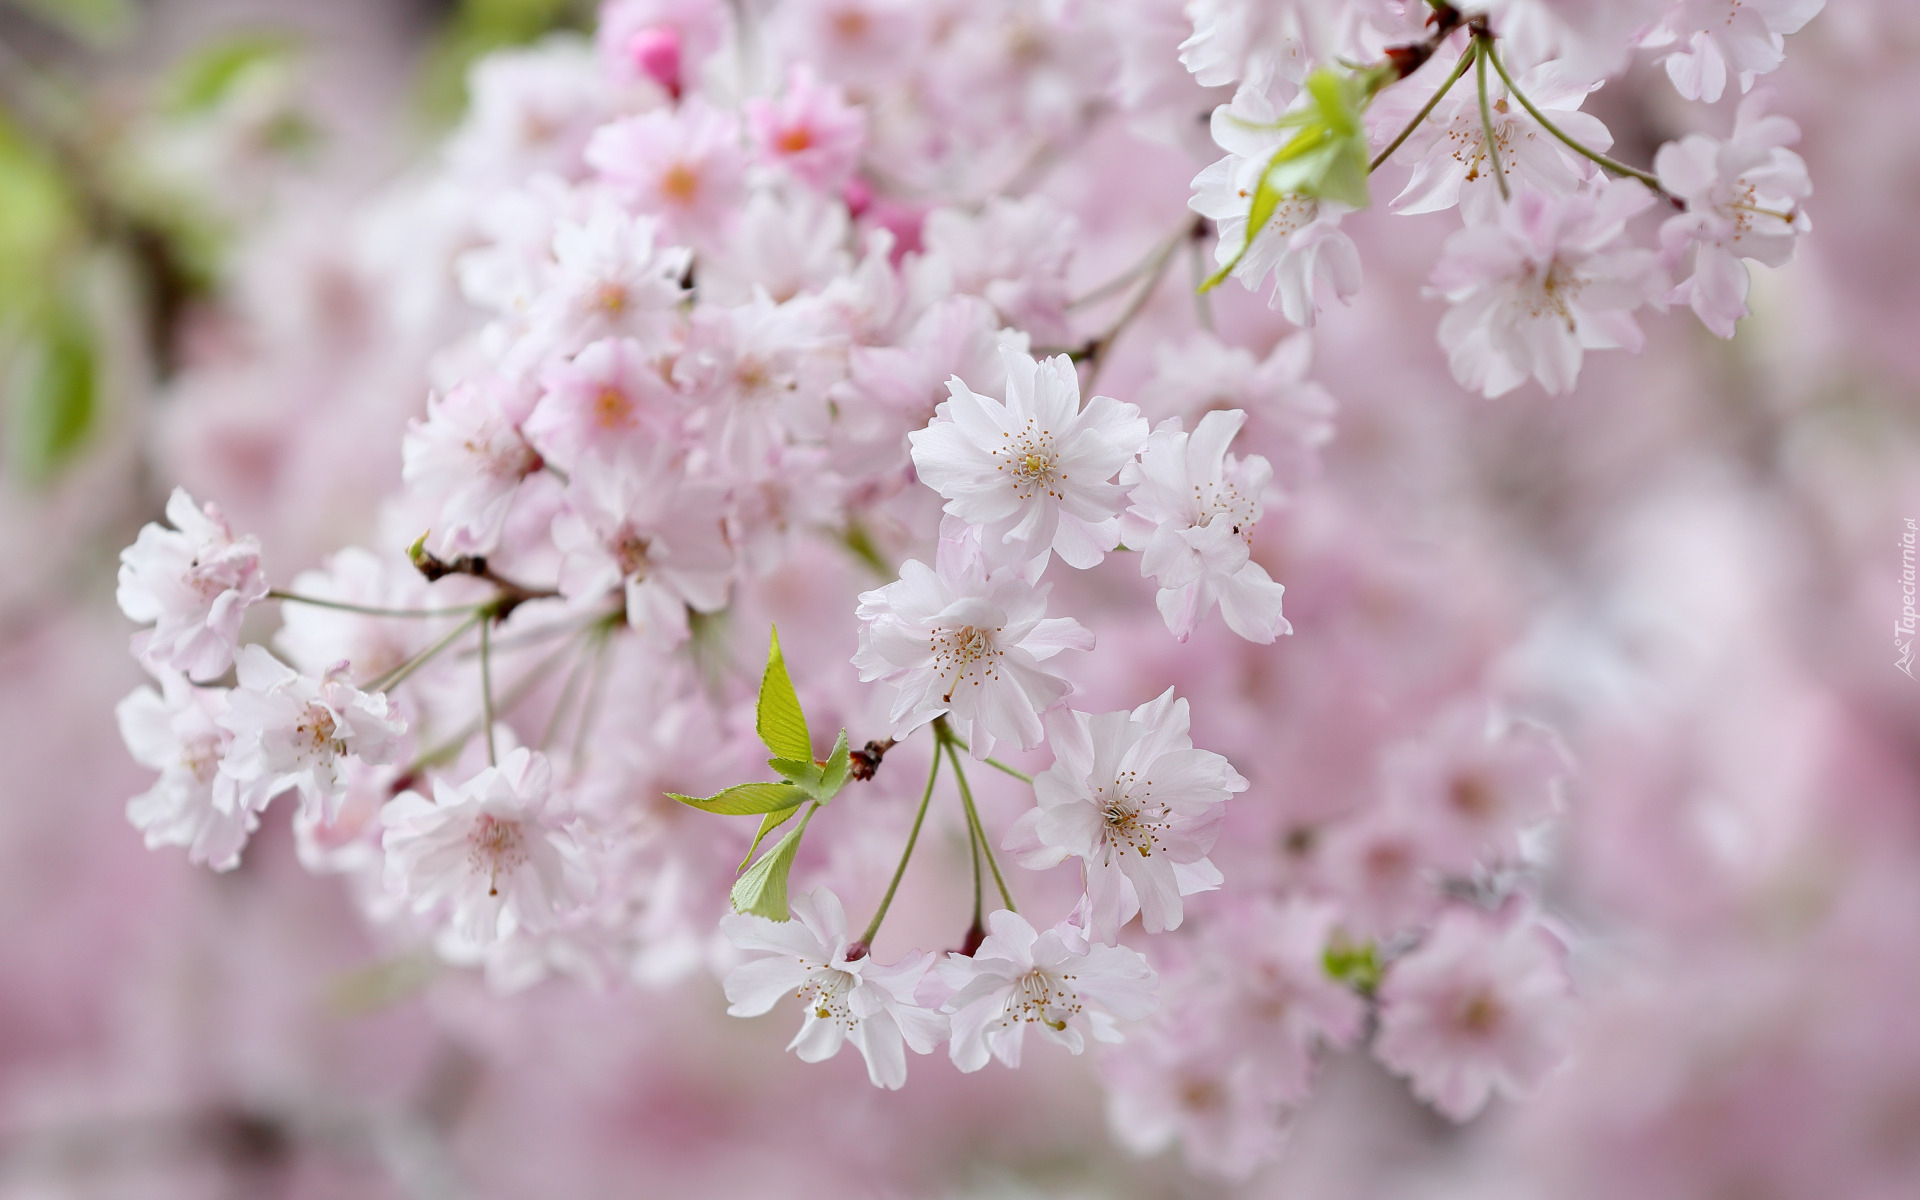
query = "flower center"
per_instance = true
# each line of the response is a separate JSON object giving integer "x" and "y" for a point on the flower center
{"x": 680, "y": 184}
{"x": 630, "y": 553}
{"x": 793, "y": 139}
{"x": 957, "y": 650}
{"x": 825, "y": 992}
{"x": 612, "y": 408}
{"x": 610, "y": 298}
{"x": 1129, "y": 815}
{"x": 495, "y": 846}
{"x": 314, "y": 733}
{"x": 1034, "y": 460}
{"x": 1481, "y": 1014}
{"x": 1045, "y": 997}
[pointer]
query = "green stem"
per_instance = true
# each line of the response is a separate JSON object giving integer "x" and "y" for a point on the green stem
{"x": 979, "y": 829}
{"x": 486, "y": 690}
{"x": 995, "y": 763}
{"x": 590, "y": 706}
{"x": 370, "y": 610}
{"x": 448, "y": 749}
{"x": 1426, "y": 110}
{"x": 913, "y": 835}
{"x": 1614, "y": 165}
{"x": 1481, "y": 52}
{"x": 394, "y": 678}
{"x": 1096, "y": 352}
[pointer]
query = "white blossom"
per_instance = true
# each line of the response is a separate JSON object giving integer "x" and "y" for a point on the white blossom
{"x": 497, "y": 852}
{"x": 180, "y": 736}
{"x": 1193, "y": 510}
{"x": 1034, "y": 471}
{"x": 296, "y": 731}
{"x": 194, "y": 582}
{"x": 1130, "y": 796}
{"x": 844, "y": 999}
{"x": 1055, "y": 981}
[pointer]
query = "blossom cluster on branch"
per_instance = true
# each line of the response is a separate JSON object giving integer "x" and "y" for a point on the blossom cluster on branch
{"x": 754, "y": 299}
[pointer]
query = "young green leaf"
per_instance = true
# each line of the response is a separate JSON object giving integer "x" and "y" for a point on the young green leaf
{"x": 768, "y": 824}
{"x": 800, "y": 774}
{"x": 763, "y": 889}
{"x": 778, "y": 719}
{"x": 745, "y": 799}
{"x": 833, "y": 776}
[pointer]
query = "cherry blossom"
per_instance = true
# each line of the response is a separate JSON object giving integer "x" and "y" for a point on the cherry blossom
{"x": 1314, "y": 264}
{"x": 1551, "y": 280}
{"x": 1054, "y": 980}
{"x": 1475, "y": 1009}
{"x": 964, "y": 640}
{"x": 810, "y": 131}
{"x": 609, "y": 279}
{"x": 1036, "y": 471}
{"x": 1453, "y": 166}
{"x": 1714, "y": 38}
{"x": 179, "y": 735}
{"x": 499, "y": 852}
{"x": 1193, "y": 510}
{"x": 1202, "y": 373}
{"x": 194, "y": 584}
{"x": 468, "y": 460}
{"x": 1743, "y": 202}
{"x": 845, "y": 999}
{"x": 293, "y": 731}
{"x": 640, "y": 529}
{"x": 684, "y": 166}
{"x": 609, "y": 398}
{"x": 1130, "y": 796}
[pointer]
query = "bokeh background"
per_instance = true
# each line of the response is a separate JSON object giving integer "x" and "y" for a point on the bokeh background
{"x": 212, "y": 271}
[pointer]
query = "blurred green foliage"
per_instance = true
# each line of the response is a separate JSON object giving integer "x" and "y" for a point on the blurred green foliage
{"x": 478, "y": 27}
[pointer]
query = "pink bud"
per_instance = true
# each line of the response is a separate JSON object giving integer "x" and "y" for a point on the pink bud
{"x": 858, "y": 195}
{"x": 655, "y": 53}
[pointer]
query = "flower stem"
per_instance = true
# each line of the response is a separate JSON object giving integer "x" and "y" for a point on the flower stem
{"x": 1483, "y": 50}
{"x": 370, "y": 610}
{"x": 392, "y": 679}
{"x": 1614, "y": 165}
{"x": 995, "y": 763}
{"x": 486, "y": 688}
{"x": 979, "y": 830}
{"x": 913, "y": 835}
{"x": 1426, "y": 110}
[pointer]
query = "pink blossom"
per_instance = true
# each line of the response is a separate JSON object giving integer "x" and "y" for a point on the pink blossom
{"x": 1193, "y": 508}
{"x": 1130, "y": 796}
{"x": 685, "y": 167}
{"x": 1314, "y": 264}
{"x": 497, "y": 853}
{"x": 639, "y": 528}
{"x": 608, "y": 400}
{"x": 811, "y": 131}
{"x": 292, "y": 731}
{"x": 180, "y": 736}
{"x": 1035, "y": 472}
{"x": 1715, "y": 38}
{"x": 610, "y": 279}
{"x": 468, "y": 460}
{"x": 1743, "y": 201}
{"x": 854, "y": 1000}
{"x": 968, "y": 641}
{"x": 1053, "y": 980}
{"x": 663, "y": 41}
{"x": 1014, "y": 254}
{"x": 1553, "y": 278}
{"x": 194, "y": 583}
{"x": 1478, "y": 1007}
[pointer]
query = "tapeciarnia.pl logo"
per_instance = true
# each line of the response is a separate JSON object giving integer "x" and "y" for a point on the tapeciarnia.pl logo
{"x": 1903, "y": 628}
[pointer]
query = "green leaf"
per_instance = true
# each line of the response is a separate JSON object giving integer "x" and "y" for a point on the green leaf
{"x": 763, "y": 889}
{"x": 768, "y": 824}
{"x": 57, "y": 403}
{"x": 95, "y": 22}
{"x": 745, "y": 799}
{"x": 1356, "y": 966}
{"x": 833, "y": 776}
{"x": 777, "y": 718}
{"x": 823, "y": 783}
{"x": 803, "y": 774}
{"x": 208, "y": 76}
{"x": 1326, "y": 160}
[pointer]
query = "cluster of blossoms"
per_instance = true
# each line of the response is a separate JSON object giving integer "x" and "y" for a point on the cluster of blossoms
{"x": 743, "y": 290}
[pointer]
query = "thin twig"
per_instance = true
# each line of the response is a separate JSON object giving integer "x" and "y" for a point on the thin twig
{"x": 370, "y": 610}
{"x": 1426, "y": 110}
{"x": 979, "y": 829}
{"x": 398, "y": 675}
{"x": 486, "y": 689}
{"x": 913, "y": 835}
{"x": 1614, "y": 165}
{"x": 1480, "y": 52}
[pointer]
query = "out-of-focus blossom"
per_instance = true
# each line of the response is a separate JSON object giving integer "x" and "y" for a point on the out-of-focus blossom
{"x": 194, "y": 583}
